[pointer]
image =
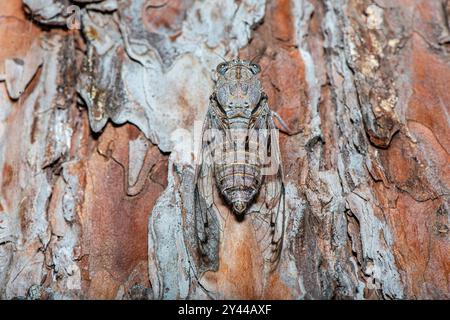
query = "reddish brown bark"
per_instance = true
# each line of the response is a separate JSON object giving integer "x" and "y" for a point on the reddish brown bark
{"x": 87, "y": 151}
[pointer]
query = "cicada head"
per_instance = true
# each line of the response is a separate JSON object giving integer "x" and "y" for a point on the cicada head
{"x": 238, "y": 89}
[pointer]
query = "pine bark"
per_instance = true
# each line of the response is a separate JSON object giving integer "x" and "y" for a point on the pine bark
{"x": 100, "y": 102}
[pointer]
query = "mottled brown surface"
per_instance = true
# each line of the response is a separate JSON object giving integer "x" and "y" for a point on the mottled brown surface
{"x": 16, "y": 31}
{"x": 369, "y": 161}
{"x": 112, "y": 251}
{"x": 114, "y": 221}
{"x": 414, "y": 167}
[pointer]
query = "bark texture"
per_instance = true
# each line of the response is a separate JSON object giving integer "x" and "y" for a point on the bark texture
{"x": 100, "y": 102}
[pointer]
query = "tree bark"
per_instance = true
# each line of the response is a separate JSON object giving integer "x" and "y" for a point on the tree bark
{"x": 101, "y": 102}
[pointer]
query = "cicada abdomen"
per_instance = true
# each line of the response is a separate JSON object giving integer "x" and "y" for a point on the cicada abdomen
{"x": 240, "y": 163}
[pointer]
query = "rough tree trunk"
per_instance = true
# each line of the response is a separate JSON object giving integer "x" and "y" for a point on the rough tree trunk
{"x": 96, "y": 160}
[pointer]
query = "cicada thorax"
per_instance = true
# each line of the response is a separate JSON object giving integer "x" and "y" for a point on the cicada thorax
{"x": 239, "y": 156}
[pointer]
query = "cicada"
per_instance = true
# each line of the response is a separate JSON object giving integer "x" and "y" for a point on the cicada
{"x": 239, "y": 164}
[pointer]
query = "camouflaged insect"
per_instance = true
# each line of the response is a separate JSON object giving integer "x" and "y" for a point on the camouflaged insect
{"x": 240, "y": 164}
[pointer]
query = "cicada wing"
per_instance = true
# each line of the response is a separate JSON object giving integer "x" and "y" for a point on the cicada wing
{"x": 268, "y": 211}
{"x": 207, "y": 214}
{"x": 268, "y": 214}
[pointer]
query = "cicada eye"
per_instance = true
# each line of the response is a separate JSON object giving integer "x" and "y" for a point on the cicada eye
{"x": 222, "y": 67}
{"x": 255, "y": 68}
